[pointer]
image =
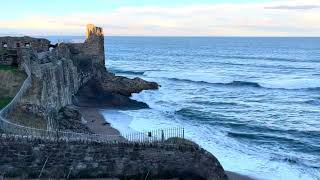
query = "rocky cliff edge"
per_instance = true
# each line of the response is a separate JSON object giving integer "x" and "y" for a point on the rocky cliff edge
{"x": 75, "y": 74}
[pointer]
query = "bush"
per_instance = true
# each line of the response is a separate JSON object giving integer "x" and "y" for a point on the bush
{"x": 4, "y": 101}
{"x": 8, "y": 68}
{"x": 3, "y": 51}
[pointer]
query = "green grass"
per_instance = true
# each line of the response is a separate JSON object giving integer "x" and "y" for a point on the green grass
{"x": 3, "y": 51}
{"x": 4, "y": 101}
{"x": 8, "y": 68}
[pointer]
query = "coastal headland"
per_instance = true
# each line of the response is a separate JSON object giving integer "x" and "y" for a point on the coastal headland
{"x": 51, "y": 126}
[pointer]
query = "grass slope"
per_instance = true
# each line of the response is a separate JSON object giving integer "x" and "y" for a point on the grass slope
{"x": 3, "y": 51}
{"x": 4, "y": 101}
{"x": 8, "y": 68}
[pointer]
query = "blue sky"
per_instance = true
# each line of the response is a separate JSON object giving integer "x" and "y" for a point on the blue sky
{"x": 163, "y": 17}
{"x": 52, "y": 7}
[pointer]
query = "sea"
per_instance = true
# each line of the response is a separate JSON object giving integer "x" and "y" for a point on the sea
{"x": 253, "y": 102}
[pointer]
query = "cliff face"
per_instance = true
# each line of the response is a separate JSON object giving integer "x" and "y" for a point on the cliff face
{"x": 58, "y": 74}
{"x": 54, "y": 82}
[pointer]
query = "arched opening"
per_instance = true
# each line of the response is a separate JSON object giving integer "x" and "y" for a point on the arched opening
{"x": 52, "y": 46}
{"x": 15, "y": 61}
{"x": 27, "y": 45}
{"x": 4, "y": 45}
{"x": 18, "y": 45}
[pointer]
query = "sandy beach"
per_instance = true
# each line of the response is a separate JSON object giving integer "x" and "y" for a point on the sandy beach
{"x": 99, "y": 125}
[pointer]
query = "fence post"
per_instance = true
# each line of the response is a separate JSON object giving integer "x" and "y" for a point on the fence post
{"x": 162, "y": 135}
{"x": 182, "y": 133}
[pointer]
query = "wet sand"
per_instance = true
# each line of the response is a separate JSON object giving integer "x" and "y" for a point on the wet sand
{"x": 97, "y": 124}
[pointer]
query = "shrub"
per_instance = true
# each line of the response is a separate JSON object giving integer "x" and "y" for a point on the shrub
{"x": 4, "y": 101}
{"x": 8, "y": 68}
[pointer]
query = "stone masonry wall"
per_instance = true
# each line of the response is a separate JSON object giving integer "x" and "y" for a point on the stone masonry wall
{"x": 37, "y": 44}
{"x": 28, "y": 158}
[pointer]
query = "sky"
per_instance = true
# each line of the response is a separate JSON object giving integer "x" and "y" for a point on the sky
{"x": 162, "y": 17}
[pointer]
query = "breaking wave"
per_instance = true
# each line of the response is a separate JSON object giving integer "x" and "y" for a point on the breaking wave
{"x": 288, "y": 85}
{"x": 118, "y": 71}
{"x": 206, "y": 78}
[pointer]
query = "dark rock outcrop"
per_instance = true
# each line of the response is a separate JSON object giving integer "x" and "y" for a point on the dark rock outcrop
{"x": 69, "y": 119}
{"x": 125, "y": 86}
{"x": 93, "y": 95}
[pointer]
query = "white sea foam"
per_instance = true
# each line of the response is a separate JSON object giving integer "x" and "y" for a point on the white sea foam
{"x": 232, "y": 154}
{"x": 190, "y": 76}
{"x": 226, "y": 72}
{"x": 118, "y": 120}
{"x": 205, "y": 77}
{"x": 299, "y": 83}
{"x": 229, "y": 152}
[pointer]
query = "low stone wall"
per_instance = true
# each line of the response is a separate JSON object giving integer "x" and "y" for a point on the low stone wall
{"x": 31, "y": 158}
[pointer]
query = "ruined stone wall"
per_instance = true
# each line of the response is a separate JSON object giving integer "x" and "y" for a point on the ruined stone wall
{"x": 10, "y": 48}
{"x": 93, "y": 47}
{"x": 38, "y": 44}
{"x": 22, "y": 156}
{"x": 58, "y": 74}
{"x": 8, "y": 57}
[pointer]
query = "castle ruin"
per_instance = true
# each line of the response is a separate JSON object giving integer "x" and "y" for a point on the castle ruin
{"x": 11, "y": 47}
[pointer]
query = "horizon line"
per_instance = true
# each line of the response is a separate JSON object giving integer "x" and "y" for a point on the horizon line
{"x": 182, "y": 36}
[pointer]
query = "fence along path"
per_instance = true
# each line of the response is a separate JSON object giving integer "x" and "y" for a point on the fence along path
{"x": 8, "y": 127}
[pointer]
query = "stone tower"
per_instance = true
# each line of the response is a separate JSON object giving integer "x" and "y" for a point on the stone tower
{"x": 93, "y": 31}
{"x": 95, "y": 43}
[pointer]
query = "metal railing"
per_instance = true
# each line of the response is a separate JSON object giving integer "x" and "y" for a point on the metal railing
{"x": 138, "y": 137}
{"x": 155, "y": 135}
{"x": 141, "y": 137}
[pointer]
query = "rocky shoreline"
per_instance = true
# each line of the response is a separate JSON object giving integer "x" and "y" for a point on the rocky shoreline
{"x": 99, "y": 125}
{"x": 68, "y": 85}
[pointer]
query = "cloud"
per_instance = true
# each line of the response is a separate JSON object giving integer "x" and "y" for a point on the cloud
{"x": 250, "y": 19}
{"x": 301, "y": 7}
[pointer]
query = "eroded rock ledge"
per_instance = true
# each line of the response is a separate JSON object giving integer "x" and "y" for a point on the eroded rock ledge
{"x": 125, "y": 86}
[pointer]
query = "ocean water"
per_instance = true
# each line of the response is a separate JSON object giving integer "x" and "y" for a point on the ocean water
{"x": 252, "y": 102}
